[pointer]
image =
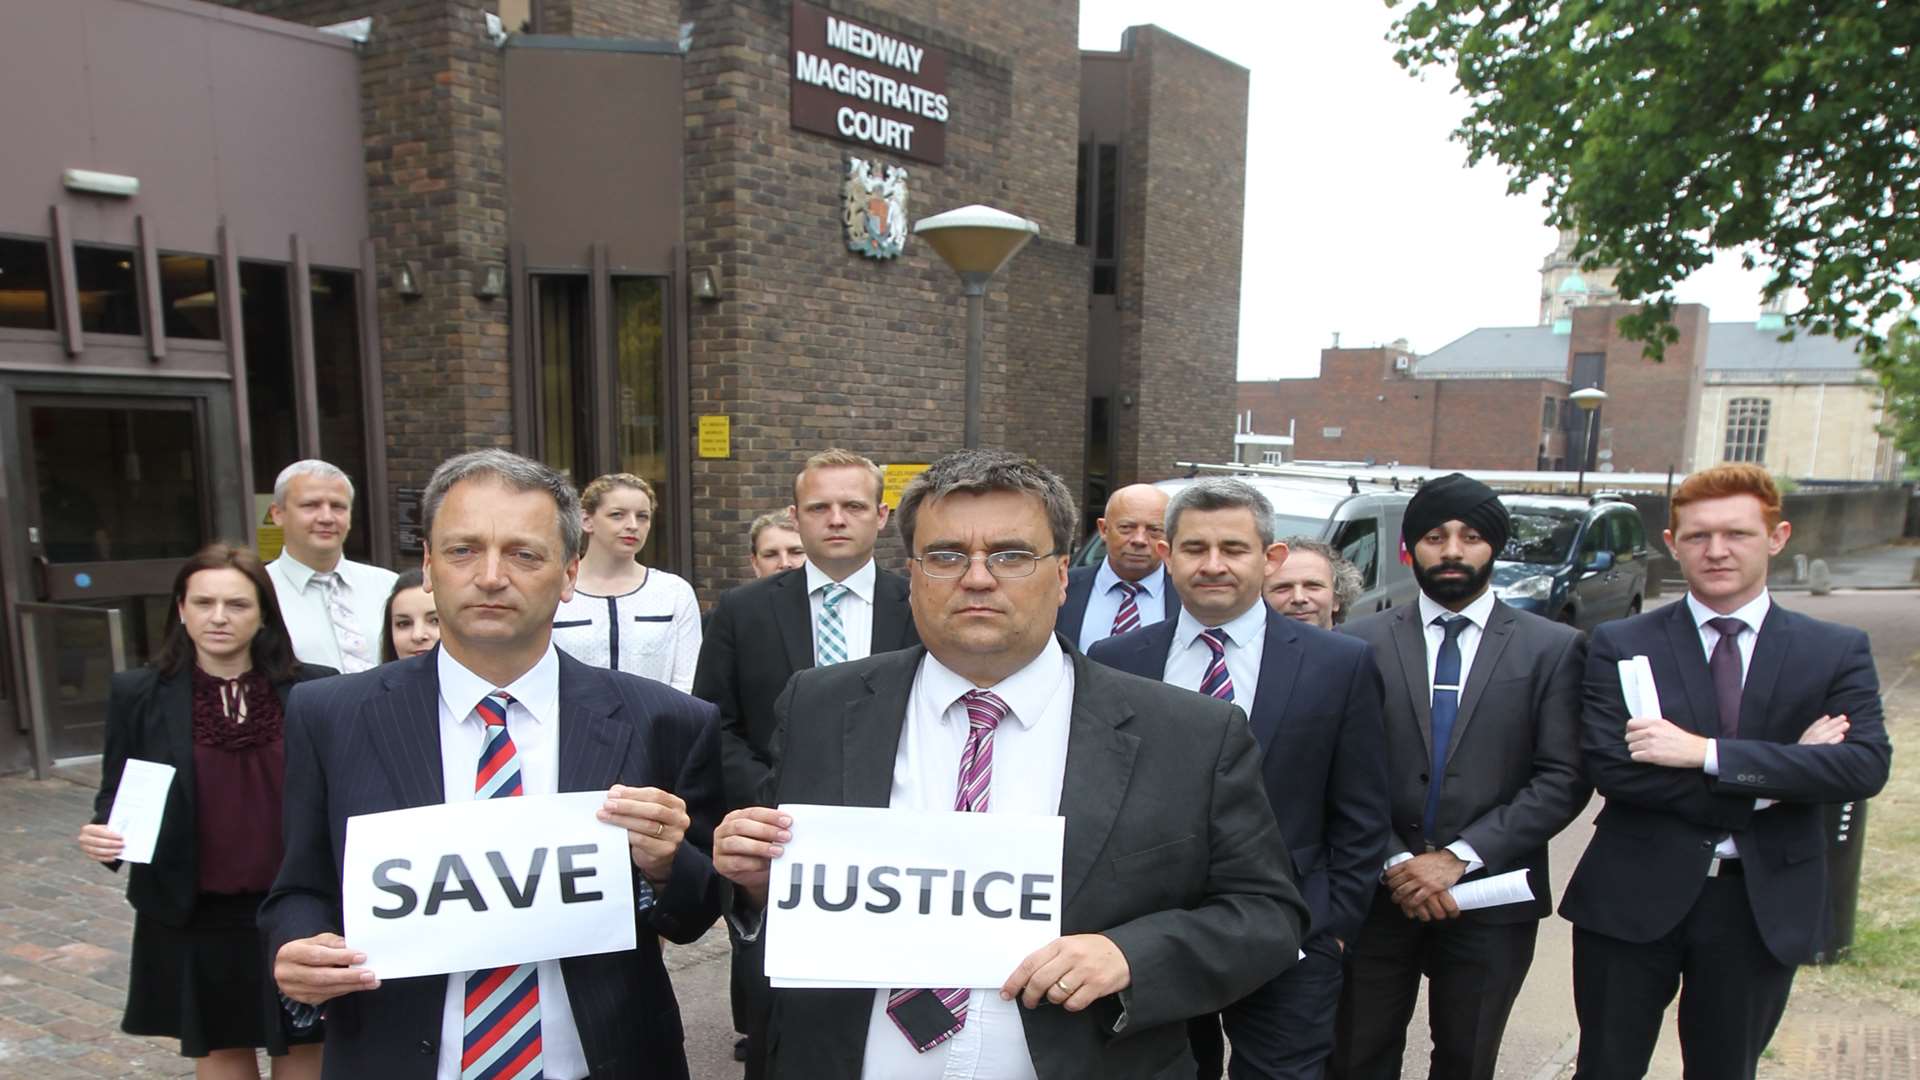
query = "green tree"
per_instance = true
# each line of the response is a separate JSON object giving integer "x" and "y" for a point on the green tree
{"x": 1664, "y": 131}
{"x": 1898, "y": 366}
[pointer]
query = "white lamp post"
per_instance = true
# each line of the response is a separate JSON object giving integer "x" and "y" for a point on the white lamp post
{"x": 1589, "y": 401}
{"x": 976, "y": 241}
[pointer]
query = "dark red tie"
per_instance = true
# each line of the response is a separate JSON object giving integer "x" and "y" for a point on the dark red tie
{"x": 1725, "y": 665}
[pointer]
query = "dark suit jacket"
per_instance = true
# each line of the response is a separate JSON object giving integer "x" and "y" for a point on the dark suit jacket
{"x": 1171, "y": 851}
{"x": 1513, "y": 774}
{"x": 1080, "y": 588}
{"x": 150, "y": 716}
{"x": 1316, "y": 715}
{"x": 361, "y": 744}
{"x": 1653, "y": 841}
{"x": 761, "y": 633}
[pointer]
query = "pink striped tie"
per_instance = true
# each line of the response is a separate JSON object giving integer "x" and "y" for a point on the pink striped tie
{"x": 985, "y": 710}
{"x": 1218, "y": 683}
{"x": 1128, "y": 617}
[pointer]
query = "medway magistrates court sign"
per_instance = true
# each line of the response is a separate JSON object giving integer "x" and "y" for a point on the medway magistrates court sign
{"x": 867, "y": 86}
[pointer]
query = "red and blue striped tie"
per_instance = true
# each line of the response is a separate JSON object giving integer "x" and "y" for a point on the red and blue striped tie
{"x": 1218, "y": 683}
{"x": 503, "y": 1004}
{"x": 985, "y": 710}
{"x": 1128, "y": 617}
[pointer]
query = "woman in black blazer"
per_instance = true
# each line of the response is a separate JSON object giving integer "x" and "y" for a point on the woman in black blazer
{"x": 210, "y": 704}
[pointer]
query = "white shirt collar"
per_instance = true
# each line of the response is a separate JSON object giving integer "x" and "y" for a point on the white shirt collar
{"x": 299, "y": 574}
{"x": 538, "y": 689}
{"x": 1105, "y": 579}
{"x": 1026, "y": 692}
{"x": 1248, "y": 630}
{"x": 860, "y": 581}
{"x": 1477, "y": 612}
{"x": 1753, "y": 612}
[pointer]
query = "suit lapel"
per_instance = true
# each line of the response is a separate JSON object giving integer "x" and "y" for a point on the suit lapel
{"x": 1279, "y": 669}
{"x": 1683, "y": 637}
{"x": 593, "y": 741}
{"x": 1099, "y": 767}
{"x": 890, "y": 613}
{"x": 1770, "y": 651}
{"x": 1410, "y": 642}
{"x": 174, "y": 696}
{"x": 1493, "y": 642}
{"x": 871, "y": 739}
{"x": 403, "y": 725}
{"x": 794, "y": 617}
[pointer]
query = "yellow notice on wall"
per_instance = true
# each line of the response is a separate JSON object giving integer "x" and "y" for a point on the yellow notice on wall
{"x": 896, "y": 482}
{"x": 716, "y": 436}
{"x": 268, "y": 538}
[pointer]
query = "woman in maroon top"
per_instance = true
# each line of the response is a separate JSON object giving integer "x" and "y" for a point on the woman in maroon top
{"x": 209, "y": 704}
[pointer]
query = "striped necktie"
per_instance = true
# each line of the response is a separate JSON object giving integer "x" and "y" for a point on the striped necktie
{"x": 1217, "y": 683}
{"x": 985, "y": 710}
{"x": 830, "y": 637}
{"x": 1128, "y": 617}
{"x": 502, "y": 1040}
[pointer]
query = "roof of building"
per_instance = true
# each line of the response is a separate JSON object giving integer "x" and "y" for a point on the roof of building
{"x": 1739, "y": 348}
{"x": 1523, "y": 351}
{"x": 1574, "y": 284}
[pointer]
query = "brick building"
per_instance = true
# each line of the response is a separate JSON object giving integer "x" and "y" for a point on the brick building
{"x": 385, "y": 231}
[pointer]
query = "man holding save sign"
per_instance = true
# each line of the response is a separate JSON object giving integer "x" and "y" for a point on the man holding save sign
{"x": 496, "y": 712}
{"x": 1176, "y": 898}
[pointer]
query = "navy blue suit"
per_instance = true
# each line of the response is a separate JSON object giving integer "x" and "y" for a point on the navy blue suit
{"x": 1317, "y": 717}
{"x": 1641, "y": 899}
{"x": 1079, "y": 587}
{"x": 361, "y": 744}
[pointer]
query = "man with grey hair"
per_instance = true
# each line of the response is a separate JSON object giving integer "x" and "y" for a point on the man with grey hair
{"x": 1176, "y": 894}
{"x": 331, "y": 604}
{"x": 1312, "y": 700}
{"x": 1315, "y": 585}
{"x": 496, "y": 711}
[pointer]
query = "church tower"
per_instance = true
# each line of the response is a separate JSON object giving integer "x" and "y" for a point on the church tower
{"x": 1564, "y": 286}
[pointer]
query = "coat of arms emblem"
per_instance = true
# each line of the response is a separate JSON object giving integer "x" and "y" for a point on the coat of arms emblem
{"x": 875, "y": 209}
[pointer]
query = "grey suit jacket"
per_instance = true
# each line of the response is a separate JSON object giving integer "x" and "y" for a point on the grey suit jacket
{"x": 1171, "y": 851}
{"x": 1513, "y": 778}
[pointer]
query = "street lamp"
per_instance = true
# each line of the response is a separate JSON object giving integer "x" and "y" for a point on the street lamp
{"x": 976, "y": 241}
{"x": 1589, "y": 401}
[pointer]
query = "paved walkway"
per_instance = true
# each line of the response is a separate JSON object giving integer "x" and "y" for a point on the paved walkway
{"x": 1894, "y": 566}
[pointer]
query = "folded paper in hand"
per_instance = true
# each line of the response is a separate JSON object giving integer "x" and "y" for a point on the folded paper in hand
{"x": 1508, "y": 888}
{"x": 1636, "y": 686}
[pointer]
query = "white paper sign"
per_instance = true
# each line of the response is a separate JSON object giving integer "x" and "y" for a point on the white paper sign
{"x": 1508, "y": 888}
{"x": 885, "y": 898}
{"x": 483, "y": 884}
{"x": 138, "y": 805}
{"x": 1637, "y": 687}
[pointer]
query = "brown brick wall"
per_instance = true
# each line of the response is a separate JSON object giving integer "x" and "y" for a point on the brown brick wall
{"x": 647, "y": 20}
{"x": 1381, "y": 415}
{"x": 1652, "y": 406}
{"x": 1489, "y": 423}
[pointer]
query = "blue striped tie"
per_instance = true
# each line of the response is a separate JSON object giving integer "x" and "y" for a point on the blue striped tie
{"x": 502, "y": 1027}
{"x": 831, "y": 635}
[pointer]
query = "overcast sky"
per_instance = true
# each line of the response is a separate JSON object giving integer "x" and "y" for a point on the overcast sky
{"x": 1362, "y": 216}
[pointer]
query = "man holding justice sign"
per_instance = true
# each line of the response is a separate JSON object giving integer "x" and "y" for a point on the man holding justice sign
{"x": 495, "y": 713}
{"x": 1174, "y": 899}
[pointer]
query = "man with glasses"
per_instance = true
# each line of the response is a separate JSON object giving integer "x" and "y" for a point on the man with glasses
{"x": 1177, "y": 897}
{"x": 1129, "y": 588}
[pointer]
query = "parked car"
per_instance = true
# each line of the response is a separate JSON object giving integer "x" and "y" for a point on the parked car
{"x": 1580, "y": 561}
{"x": 1363, "y": 525}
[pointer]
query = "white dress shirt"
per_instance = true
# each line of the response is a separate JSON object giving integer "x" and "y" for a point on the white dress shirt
{"x": 1029, "y": 765}
{"x": 855, "y": 608}
{"x": 1103, "y": 603}
{"x": 1468, "y": 640}
{"x": 1753, "y": 613}
{"x": 1189, "y": 658}
{"x": 533, "y": 723}
{"x": 303, "y": 606}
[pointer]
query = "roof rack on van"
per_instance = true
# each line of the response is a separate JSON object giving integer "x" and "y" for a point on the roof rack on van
{"x": 1599, "y": 497}
{"x": 1298, "y": 472}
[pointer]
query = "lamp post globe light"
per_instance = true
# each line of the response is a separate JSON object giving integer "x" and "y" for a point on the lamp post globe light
{"x": 1589, "y": 400}
{"x": 976, "y": 241}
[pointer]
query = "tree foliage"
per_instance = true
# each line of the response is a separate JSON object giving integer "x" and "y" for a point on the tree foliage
{"x": 1784, "y": 129}
{"x": 1898, "y": 366}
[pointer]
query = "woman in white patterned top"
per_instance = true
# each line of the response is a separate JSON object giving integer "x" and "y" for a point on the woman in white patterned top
{"x": 623, "y": 615}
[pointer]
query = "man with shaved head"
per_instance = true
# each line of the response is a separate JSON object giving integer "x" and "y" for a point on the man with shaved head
{"x": 1129, "y": 588}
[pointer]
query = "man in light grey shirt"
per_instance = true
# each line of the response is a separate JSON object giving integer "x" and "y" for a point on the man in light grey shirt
{"x": 332, "y": 605}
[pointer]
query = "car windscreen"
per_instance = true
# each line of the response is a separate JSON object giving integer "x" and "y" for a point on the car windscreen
{"x": 1541, "y": 536}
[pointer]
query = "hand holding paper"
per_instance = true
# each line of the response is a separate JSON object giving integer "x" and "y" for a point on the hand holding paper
{"x": 137, "y": 808}
{"x": 1637, "y": 687}
{"x": 1507, "y": 888}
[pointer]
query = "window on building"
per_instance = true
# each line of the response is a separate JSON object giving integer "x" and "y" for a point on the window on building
{"x": 1106, "y": 224}
{"x": 267, "y": 330}
{"x": 189, "y": 297}
{"x": 1273, "y": 457}
{"x": 1080, "y": 198}
{"x": 109, "y": 297}
{"x": 26, "y": 285}
{"x": 1549, "y": 413}
{"x": 564, "y": 385}
{"x": 640, "y": 373}
{"x": 1747, "y": 429}
{"x": 337, "y": 378}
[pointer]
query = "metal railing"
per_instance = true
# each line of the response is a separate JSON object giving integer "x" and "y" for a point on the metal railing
{"x": 34, "y": 618}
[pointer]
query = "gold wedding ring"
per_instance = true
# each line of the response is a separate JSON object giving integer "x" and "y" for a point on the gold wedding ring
{"x": 659, "y": 829}
{"x": 1062, "y": 984}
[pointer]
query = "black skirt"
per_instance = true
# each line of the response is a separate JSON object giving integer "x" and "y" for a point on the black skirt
{"x": 210, "y": 983}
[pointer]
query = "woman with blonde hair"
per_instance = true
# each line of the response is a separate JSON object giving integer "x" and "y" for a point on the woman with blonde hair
{"x": 624, "y": 615}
